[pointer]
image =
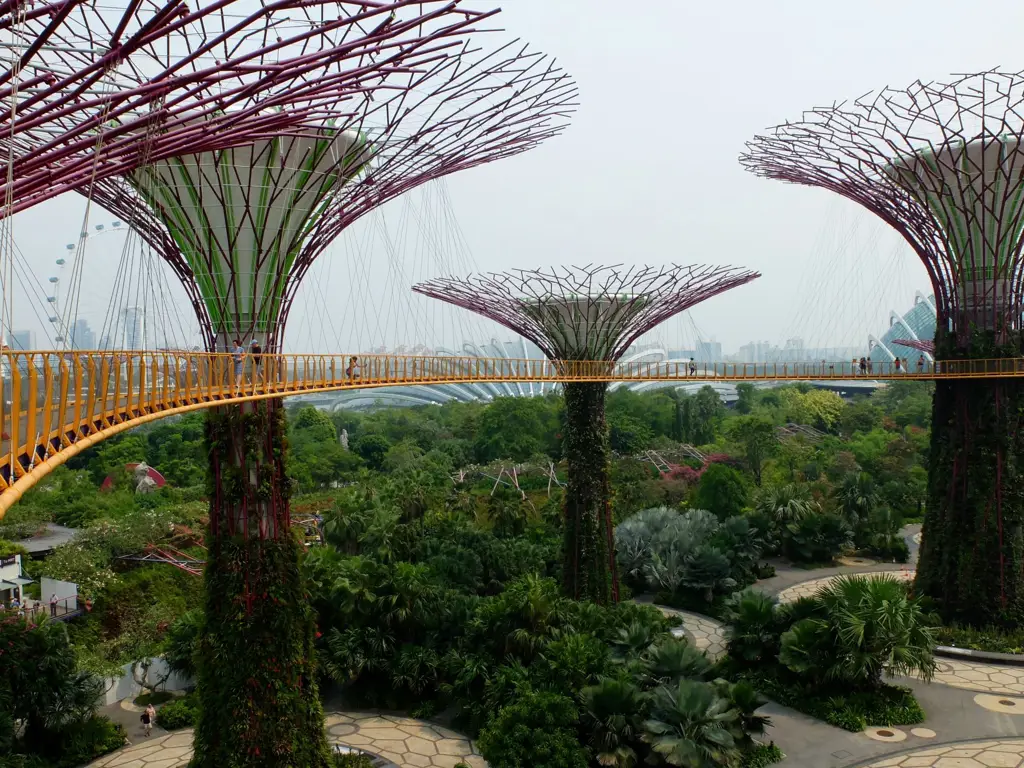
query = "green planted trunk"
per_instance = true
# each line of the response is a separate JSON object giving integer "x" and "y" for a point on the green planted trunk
{"x": 972, "y": 552}
{"x": 589, "y": 567}
{"x": 259, "y": 704}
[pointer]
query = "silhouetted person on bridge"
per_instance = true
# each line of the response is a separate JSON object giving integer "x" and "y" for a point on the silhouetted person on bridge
{"x": 897, "y": 363}
{"x": 693, "y": 367}
{"x": 920, "y": 364}
{"x": 863, "y": 366}
{"x": 238, "y": 354}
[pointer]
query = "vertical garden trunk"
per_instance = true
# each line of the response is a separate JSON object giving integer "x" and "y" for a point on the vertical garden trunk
{"x": 259, "y": 704}
{"x": 972, "y": 550}
{"x": 589, "y": 571}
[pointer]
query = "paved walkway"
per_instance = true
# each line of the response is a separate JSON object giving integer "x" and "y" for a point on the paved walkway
{"x": 403, "y": 741}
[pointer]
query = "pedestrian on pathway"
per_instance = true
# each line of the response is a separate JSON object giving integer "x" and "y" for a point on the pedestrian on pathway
{"x": 898, "y": 365}
{"x": 147, "y": 719}
{"x": 53, "y": 605}
{"x": 693, "y": 367}
{"x": 863, "y": 366}
{"x": 920, "y": 364}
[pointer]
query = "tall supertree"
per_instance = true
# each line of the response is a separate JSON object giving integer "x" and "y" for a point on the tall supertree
{"x": 99, "y": 89}
{"x": 586, "y": 314}
{"x": 943, "y": 164}
{"x": 240, "y": 227}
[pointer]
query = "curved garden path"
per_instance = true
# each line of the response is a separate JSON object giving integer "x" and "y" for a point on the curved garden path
{"x": 399, "y": 741}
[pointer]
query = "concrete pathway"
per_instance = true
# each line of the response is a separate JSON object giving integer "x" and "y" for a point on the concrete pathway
{"x": 400, "y": 741}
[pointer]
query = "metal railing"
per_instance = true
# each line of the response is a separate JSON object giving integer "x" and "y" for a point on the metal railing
{"x": 56, "y": 402}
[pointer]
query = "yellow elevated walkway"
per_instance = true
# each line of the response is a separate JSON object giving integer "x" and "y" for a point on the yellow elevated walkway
{"x": 56, "y": 404}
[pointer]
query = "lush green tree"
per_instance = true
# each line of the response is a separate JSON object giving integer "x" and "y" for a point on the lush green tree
{"x": 536, "y": 730}
{"x": 699, "y": 415}
{"x": 757, "y": 438}
{"x": 372, "y": 448}
{"x": 786, "y": 504}
{"x": 862, "y": 415}
{"x": 43, "y": 689}
{"x": 746, "y": 397}
{"x": 722, "y": 491}
{"x": 513, "y": 428}
{"x": 627, "y": 435}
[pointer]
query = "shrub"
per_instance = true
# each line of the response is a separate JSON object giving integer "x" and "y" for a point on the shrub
{"x": 816, "y": 538}
{"x": 537, "y": 730}
{"x": 154, "y": 698}
{"x": 180, "y": 713}
{"x": 838, "y": 706}
{"x": 763, "y": 755}
{"x": 691, "y": 558}
{"x": 992, "y": 639}
{"x": 755, "y": 627}
{"x": 352, "y": 761}
{"x": 860, "y": 629}
{"x": 83, "y": 742}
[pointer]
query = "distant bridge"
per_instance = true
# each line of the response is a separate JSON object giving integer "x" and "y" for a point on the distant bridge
{"x": 57, "y": 404}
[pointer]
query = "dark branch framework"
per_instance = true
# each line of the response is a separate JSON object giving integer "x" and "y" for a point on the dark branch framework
{"x": 466, "y": 108}
{"x": 585, "y": 313}
{"x": 99, "y": 91}
{"x": 940, "y": 162}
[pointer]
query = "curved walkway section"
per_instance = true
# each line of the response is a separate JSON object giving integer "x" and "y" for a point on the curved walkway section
{"x": 1008, "y": 753}
{"x": 705, "y": 633}
{"x": 405, "y": 742}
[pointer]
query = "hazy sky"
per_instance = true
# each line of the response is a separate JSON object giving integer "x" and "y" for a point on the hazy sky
{"x": 648, "y": 171}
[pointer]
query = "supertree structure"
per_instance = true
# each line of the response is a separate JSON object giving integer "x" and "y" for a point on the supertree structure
{"x": 240, "y": 226}
{"x": 943, "y": 164}
{"x": 590, "y": 313}
{"x": 100, "y": 89}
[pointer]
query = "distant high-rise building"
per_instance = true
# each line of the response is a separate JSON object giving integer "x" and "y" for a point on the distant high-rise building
{"x": 82, "y": 336}
{"x": 23, "y": 340}
{"x": 133, "y": 328}
{"x": 709, "y": 351}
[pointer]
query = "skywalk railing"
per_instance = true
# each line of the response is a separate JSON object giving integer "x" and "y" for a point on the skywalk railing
{"x": 54, "y": 400}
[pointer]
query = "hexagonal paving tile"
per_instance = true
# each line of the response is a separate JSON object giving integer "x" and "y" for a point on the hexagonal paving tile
{"x": 705, "y": 633}
{"x": 1006, "y": 753}
{"x": 406, "y": 742}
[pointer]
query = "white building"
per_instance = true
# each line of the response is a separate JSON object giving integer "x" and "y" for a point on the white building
{"x": 12, "y": 580}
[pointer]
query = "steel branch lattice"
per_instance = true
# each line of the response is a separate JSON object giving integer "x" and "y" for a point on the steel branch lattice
{"x": 57, "y": 404}
{"x": 585, "y": 313}
{"x": 98, "y": 90}
{"x": 943, "y": 164}
{"x": 467, "y": 107}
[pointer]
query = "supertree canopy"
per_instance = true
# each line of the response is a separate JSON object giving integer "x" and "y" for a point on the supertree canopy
{"x": 240, "y": 224}
{"x": 943, "y": 164}
{"x": 100, "y": 89}
{"x": 586, "y": 314}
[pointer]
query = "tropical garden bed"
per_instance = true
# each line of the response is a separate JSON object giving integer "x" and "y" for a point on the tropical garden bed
{"x": 828, "y": 655}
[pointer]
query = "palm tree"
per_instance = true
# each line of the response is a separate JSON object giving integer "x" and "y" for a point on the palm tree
{"x": 857, "y": 498}
{"x": 675, "y": 658}
{"x": 754, "y": 627}
{"x": 690, "y": 725}
{"x": 786, "y": 504}
{"x": 612, "y": 712}
{"x": 633, "y": 641}
{"x": 864, "y": 628}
